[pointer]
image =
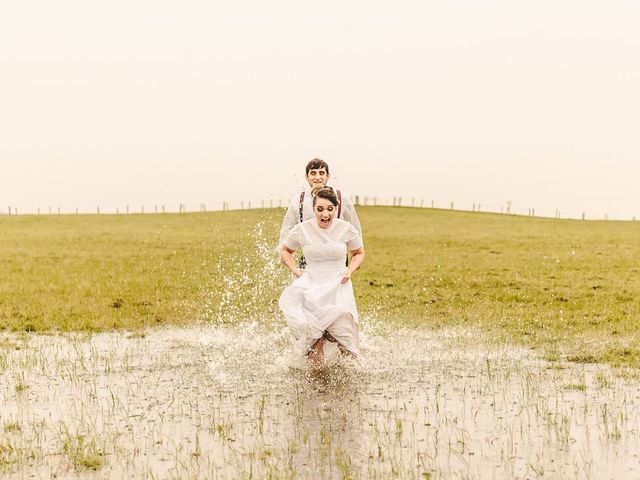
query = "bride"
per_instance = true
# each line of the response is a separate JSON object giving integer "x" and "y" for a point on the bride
{"x": 319, "y": 303}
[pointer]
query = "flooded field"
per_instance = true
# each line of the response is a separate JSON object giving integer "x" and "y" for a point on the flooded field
{"x": 228, "y": 402}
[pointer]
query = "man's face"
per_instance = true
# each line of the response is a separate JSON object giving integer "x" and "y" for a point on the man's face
{"x": 317, "y": 178}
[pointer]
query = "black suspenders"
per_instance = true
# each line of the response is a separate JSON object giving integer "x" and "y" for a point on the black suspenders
{"x": 301, "y": 206}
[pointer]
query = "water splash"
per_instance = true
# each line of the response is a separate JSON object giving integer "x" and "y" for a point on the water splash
{"x": 247, "y": 284}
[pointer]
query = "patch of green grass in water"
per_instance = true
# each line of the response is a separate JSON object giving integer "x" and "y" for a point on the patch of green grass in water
{"x": 554, "y": 285}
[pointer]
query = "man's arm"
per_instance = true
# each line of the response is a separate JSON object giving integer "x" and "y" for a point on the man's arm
{"x": 290, "y": 220}
{"x": 349, "y": 213}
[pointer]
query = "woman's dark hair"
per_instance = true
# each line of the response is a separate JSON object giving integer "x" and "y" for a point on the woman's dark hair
{"x": 328, "y": 194}
{"x": 316, "y": 163}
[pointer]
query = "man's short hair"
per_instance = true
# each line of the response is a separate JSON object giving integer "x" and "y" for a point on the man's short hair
{"x": 317, "y": 163}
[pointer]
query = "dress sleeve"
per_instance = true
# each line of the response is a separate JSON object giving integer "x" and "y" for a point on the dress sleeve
{"x": 293, "y": 240}
{"x": 354, "y": 239}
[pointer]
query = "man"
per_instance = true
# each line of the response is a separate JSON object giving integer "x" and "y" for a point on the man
{"x": 301, "y": 205}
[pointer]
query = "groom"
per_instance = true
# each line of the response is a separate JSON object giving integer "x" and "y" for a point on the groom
{"x": 301, "y": 206}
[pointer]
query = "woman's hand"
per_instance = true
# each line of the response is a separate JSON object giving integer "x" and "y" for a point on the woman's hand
{"x": 357, "y": 256}
{"x": 286, "y": 257}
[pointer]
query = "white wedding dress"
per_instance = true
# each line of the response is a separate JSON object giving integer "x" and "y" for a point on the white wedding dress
{"x": 318, "y": 300}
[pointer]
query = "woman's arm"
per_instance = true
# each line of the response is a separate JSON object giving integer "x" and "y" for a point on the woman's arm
{"x": 286, "y": 257}
{"x": 357, "y": 257}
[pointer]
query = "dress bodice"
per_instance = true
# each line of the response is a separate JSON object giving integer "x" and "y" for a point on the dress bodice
{"x": 326, "y": 254}
{"x": 324, "y": 248}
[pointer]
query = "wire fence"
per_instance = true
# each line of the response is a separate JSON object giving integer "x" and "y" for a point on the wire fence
{"x": 375, "y": 201}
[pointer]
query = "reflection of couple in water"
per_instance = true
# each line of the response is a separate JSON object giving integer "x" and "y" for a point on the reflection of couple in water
{"x": 319, "y": 303}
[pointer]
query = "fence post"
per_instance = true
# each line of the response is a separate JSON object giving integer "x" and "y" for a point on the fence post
{"x": 142, "y": 209}
{"x": 606, "y": 216}
{"x": 9, "y": 209}
{"x": 155, "y": 208}
{"x": 49, "y": 209}
{"x": 413, "y": 201}
{"x": 76, "y": 210}
{"x": 162, "y": 208}
{"x": 127, "y": 209}
{"x": 451, "y": 205}
{"x": 473, "y": 209}
{"x": 98, "y": 210}
{"x": 117, "y": 211}
{"x": 432, "y": 203}
{"x": 422, "y": 203}
{"x": 583, "y": 215}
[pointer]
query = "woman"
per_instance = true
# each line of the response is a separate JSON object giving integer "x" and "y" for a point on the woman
{"x": 320, "y": 302}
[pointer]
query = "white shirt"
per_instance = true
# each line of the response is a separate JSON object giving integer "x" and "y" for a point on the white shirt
{"x": 292, "y": 217}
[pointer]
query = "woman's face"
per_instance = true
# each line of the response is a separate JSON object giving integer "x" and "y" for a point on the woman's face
{"x": 324, "y": 211}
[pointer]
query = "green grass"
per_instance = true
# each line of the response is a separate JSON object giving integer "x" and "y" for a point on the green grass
{"x": 552, "y": 284}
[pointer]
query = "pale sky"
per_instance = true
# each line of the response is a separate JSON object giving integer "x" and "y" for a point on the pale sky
{"x": 148, "y": 103}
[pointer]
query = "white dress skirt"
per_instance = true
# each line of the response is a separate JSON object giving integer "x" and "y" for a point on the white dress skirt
{"x": 318, "y": 301}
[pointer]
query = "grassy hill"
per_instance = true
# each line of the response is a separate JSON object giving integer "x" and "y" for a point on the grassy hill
{"x": 560, "y": 285}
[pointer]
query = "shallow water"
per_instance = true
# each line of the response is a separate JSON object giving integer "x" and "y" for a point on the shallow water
{"x": 224, "y": 402}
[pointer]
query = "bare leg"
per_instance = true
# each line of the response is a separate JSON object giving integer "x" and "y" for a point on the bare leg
{"x": 315, "y": 355}
{"x": 343, "y": 351}
{"x": 345, "y": 333}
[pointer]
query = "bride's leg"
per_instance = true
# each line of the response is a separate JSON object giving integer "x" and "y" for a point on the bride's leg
{"x": 315, "y": 355}
{"x": 344, "y": 331}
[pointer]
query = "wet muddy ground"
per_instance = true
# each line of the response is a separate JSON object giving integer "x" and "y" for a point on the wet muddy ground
{"x": 229, "y": 402}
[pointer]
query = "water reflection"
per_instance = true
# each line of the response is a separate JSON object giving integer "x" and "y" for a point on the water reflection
{"x": 229, "y": 402}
